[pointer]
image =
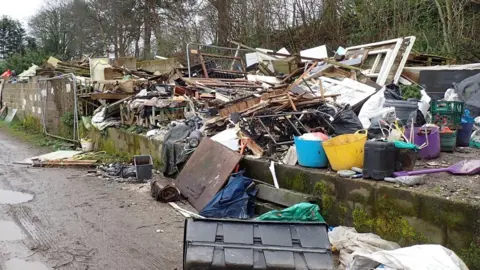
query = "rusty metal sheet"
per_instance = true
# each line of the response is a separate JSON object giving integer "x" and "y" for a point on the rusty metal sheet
{"x": 206, "y": 172}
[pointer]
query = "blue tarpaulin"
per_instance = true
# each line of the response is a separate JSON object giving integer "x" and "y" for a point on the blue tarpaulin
{"x": 236, "y": 200}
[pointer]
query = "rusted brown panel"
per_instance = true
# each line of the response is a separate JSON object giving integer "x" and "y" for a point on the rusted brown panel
{"x": 206, "y": 172}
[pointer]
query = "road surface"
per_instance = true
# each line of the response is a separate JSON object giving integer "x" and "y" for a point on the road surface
{"x": 56, "y": 218}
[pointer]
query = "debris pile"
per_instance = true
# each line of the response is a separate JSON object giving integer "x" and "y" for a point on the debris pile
{"x": 360, "y": 112}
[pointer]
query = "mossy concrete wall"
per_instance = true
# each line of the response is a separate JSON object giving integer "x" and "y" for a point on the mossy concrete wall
{"x": 125, "y": 144}
{"x": 403, "y": 215}
{"x": 398, "y": 214}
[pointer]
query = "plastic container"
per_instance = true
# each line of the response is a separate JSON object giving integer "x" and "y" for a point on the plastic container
{"x": 406, "y": 160}
{"x": 143, "y": 167}
{"x": 406, "y": 156}
{"x": 464, "y": 135}
{"x": 405, "y": 110}
{"x": 432, "y": 150}
{"x": 310, "y": 153}
{"x": 447, "y": 113}
{"x": 379, "y": 159}
{"x": 346, "y": 151}
{"x": 448, "y": 140}
{"x": 87, "y": 145}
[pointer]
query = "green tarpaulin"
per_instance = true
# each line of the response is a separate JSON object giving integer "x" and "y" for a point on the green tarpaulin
{"x": 298, "y": 212}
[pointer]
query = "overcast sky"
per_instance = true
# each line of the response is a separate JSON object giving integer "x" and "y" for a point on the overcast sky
{"x": 20, "y": 9}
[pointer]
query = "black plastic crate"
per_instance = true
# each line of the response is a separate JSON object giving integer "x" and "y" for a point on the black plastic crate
{"x": 238, "y": 244}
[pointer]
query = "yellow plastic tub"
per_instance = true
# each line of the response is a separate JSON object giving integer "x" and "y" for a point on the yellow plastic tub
{"x": 346, "y": 151}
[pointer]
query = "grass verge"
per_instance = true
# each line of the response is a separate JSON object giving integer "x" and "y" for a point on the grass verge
{"x": 18, "y": 130}
{"x": 24, "y": 131}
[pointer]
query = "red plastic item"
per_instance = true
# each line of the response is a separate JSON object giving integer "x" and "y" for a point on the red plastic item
{"x": 7, "y": 73}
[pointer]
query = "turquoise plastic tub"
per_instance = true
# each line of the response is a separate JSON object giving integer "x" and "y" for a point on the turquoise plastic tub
{"x": 311, "y": 153}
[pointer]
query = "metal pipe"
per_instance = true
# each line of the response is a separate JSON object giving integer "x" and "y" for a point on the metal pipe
{"x": 188, "y": 59}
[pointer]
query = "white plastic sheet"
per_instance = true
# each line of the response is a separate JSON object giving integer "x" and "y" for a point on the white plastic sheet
{"x": 348, "y": 240}
{"x": 420, "y": 257}
{"x": 373, "y": 107}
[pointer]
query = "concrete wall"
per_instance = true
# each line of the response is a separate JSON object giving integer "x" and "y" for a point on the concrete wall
{"x": 125, "y": 144}
{"x": 395, "y": 213}
{"x": 399, "y": 214}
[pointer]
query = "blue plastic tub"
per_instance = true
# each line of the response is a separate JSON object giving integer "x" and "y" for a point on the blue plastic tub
{"x": 311, "y": 153}
{"x": 463, "y": 137}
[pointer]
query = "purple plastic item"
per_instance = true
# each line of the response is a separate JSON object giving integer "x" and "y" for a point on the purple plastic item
{"x": 462, "y": 167}
{"x": 433, "y": 149}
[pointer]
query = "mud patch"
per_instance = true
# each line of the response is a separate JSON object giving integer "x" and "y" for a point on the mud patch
{"x": 18, "y": 264}
{"x": 14, "y": 197}
{"x": 9, "y": 231}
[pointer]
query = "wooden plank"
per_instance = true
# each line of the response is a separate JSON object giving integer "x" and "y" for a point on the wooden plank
{"x": 296, "y": 72}
{"x": 291, "y": 102}
{"x": 251, "y": 144}
{"x": 66, "y": 163}
{"x": 206, "y": 172}
{"x": 322, "y": 91}
{"x": 290, "y": 87}
{"x": 204, "y": 67}
{"x": 281, "y": 196}
{"x": 109, "y": 96}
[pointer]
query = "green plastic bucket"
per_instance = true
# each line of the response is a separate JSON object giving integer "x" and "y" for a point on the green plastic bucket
{"x": 448, "y": 141}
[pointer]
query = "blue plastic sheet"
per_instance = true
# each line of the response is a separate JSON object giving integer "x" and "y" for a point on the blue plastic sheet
{"x": 236, "y": 200}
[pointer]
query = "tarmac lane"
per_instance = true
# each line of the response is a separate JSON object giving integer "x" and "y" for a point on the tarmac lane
{"x": 61, "y": 218}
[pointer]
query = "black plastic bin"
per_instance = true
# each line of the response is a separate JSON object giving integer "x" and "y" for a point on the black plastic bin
{"x": 143, "y": 167}
{"x": 379, "y": 159}
{"x": 239, "y": 244}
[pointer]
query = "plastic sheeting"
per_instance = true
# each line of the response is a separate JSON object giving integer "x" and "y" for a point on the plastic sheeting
{"x": 300, "y": 212}
{"x": 236, "y": 200}
{"x": 372, "y": 108}
{"x": 101, "y": 122}
{"x": 346, "y": 122}
{"x": 420, "y": 257}
{"x": 469, "y": 91}
{"x": 174, "y": 150}
{"x": 348, "y": 241}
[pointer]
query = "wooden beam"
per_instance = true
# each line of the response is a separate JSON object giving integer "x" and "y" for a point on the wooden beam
{"x": 204, "y": 67}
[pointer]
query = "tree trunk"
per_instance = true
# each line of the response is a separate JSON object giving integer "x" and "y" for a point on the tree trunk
{"x": 147, "y": 36}
{"x": 224, "y": 24}
{"x": 445, "y": 26}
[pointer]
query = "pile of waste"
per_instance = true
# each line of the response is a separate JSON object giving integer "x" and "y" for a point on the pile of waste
{"x": 368, "y": 111}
